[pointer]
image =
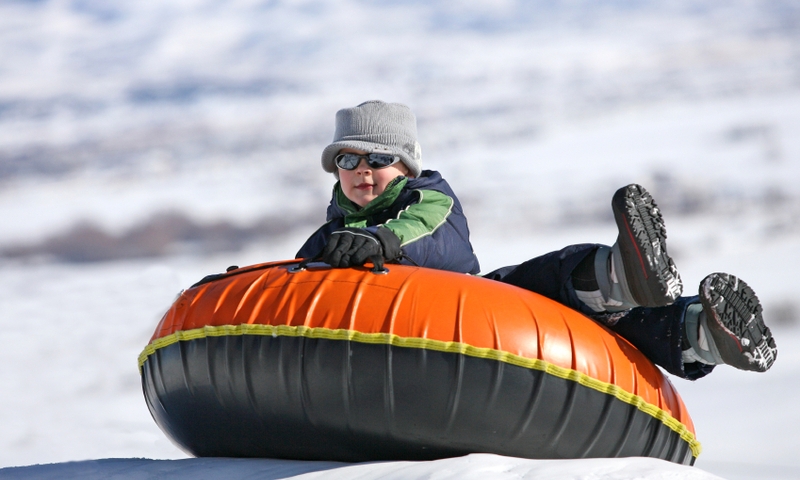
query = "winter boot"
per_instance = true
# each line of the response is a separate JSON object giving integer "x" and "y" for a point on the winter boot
{"x": 727, "y": 326}
{"x": 640, "y": 259}
{"x": 636, "y": 271}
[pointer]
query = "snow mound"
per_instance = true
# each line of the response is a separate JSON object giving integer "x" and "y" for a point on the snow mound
{"x": 475, "y": 466}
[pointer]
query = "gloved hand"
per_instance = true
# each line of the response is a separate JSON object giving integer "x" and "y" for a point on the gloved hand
{"x": 348, "y": 247}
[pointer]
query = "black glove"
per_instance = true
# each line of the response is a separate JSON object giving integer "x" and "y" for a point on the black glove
{"x": 348, "y": 247}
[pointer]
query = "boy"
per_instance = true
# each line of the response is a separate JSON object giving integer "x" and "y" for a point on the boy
{"x": 386, "y": 208}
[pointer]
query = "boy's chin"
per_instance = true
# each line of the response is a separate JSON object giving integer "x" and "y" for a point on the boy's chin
{"x": 362, "y": 200}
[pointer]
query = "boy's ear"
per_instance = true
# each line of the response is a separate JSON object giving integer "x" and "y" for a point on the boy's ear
{"x": 406, "y": 171}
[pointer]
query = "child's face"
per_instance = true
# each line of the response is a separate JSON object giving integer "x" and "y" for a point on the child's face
{"x": 363, "y": 184}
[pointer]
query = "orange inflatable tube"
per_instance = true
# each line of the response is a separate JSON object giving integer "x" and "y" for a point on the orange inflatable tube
{"x": 350, "y": 365}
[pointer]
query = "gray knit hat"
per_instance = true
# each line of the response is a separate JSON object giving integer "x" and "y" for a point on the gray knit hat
{"x": 376, "y": 127}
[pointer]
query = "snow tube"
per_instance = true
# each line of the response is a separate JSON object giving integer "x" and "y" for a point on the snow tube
{"x": 414, "y": 364}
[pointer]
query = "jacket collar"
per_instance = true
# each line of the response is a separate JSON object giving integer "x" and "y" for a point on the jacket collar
{"x": 378, "y": 204}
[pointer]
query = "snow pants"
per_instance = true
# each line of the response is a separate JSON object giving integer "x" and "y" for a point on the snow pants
{"x": 657, "y": 332}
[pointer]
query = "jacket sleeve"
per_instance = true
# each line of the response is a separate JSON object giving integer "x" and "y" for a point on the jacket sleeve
{"x": 423, "y": 218}
{"x": 433, "y": 233}
{"x": 316, "y": 242}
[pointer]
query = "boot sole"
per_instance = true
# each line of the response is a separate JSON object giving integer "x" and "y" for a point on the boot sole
{"x": 652, "y": 276}
{"x": 735, "y": 320}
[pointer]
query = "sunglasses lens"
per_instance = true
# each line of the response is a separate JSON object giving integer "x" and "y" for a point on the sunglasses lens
{"x": 380, "y": 160}
{"x": 348, "y": 161}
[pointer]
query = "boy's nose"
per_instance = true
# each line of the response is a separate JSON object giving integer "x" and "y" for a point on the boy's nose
{"x": 362, "y": 165}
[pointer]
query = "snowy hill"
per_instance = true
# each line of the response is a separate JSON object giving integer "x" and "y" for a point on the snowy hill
{"x": 217, "y": 110}
{"x": 145, "y": 145}
{"x": 475, "y": 466}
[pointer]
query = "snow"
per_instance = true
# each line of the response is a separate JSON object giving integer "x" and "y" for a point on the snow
{"x": 476, "y": 466}
{"x": 534, "y": 111}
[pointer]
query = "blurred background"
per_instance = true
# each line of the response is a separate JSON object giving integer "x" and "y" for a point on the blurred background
{"x": 146, "y": 144}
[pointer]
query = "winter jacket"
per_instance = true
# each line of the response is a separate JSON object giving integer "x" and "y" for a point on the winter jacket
{"x": 423, "y": 212}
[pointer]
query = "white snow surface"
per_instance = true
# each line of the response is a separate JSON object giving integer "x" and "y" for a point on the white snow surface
{"x": 534, "y": 111}
{"x": 477, "y": 466}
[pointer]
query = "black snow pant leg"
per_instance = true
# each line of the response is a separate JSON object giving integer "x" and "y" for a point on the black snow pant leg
{"x": 549, "y": 275}
{"x": 658, "y": 333}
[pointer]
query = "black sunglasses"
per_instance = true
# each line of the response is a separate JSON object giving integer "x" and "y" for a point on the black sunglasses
{"x": 349, "y": 161}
